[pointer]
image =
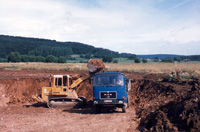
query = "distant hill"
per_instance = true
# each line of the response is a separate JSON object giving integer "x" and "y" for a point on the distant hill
{"x": 45, "y": 47}
{"x": 160, "y": 56}
{"x": 31, "y": 49}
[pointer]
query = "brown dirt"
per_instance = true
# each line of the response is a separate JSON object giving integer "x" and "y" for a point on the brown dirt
{"x": 19, "y": 112}
{"x": 96, "y": 64}
{"x": 166, "y": 106}
{"x": 158, "y": 104}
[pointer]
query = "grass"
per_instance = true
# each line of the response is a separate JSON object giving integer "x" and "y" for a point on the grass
{"x": 193, "y": 67}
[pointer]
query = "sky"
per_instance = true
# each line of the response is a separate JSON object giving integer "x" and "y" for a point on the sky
{"x": 131, "y": 26}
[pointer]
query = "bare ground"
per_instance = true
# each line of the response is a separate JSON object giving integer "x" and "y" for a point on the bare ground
{"x": 18, "y": 118}
{"x": 158, "y": 104}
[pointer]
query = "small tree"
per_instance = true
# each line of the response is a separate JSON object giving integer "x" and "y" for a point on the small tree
{"x": 177, "y": 59}
{"x": 137, "y": 60}
{"x": 107, "y": 59}
{"x": 168, "y": 60}
{"x": 51, "y": 58}
{"x": 88, "y": 56}
{"x": 115, "y": 61}
{"x": 156, "y": 59}
{"x": 62, "y": 59}
{"x": 144, "y": 60}
{"x": 14, "y": 57}
{"x": 40, "y": 59}
{"x": 132, "y": 57}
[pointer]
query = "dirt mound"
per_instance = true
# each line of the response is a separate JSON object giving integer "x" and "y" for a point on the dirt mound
{"x": 167, "y": 106}
{"x": 85, "y": 89}
{"x": 95, "y": 65}
{"x": 21, "y": 90}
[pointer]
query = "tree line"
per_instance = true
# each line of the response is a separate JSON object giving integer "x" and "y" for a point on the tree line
{"x": 44, "y": 47}
{"x": 16, "y": 57}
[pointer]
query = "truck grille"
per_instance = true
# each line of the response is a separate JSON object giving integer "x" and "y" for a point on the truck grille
{"x": 108, "y": 95}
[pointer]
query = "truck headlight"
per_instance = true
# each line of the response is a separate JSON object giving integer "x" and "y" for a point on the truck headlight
{"x": 120, "y": 102}
{"x": 95, "y": 102}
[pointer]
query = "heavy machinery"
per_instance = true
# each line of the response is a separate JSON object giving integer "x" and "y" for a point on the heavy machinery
{"x": 61, "y": 92}
{"x": 110, "y": 89}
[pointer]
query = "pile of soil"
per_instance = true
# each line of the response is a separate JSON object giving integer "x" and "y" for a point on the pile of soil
{"x": 20, "y": 90}
{"x": 85, "y": 90}
{"x": 166, "y": 106}
{"x": 95, "y": 65}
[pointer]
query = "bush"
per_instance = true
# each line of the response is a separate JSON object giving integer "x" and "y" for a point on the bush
{"x": 177, "y": 59}
{"x": 40, "y": 59}
{"x": 132, "y": 57}
{"x": 28, "y": 58}
{"x": 137, "y": 60}
{"x": 14, "y": 57}
{"x": 144, "y": 60}
{"x": 51, "y": 58}
{"x": 88, "y": 56}
{"x": 115, "y": 61}
{"x": 168, "y": 60}
{"x": 62, "y": 59}
{"x": 107, "y": 59}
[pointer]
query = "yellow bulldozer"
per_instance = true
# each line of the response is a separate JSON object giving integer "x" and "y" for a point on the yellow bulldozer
{"x": 61, "y": 91}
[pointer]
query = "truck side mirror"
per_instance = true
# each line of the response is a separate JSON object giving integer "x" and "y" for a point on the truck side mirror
{"x": 128, "y": 84}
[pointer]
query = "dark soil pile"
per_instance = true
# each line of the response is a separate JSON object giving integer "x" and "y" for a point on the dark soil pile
{"x": 167, "y": 106}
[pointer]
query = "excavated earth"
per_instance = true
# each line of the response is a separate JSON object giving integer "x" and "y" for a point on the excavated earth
{"x": 158, "y": 105}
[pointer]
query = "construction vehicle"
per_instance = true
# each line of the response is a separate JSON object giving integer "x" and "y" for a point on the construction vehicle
{"x": 61, "y": 92}
{"x": 110, "y": 89}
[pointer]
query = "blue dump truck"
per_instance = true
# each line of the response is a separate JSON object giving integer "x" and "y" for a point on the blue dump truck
{"x": 110, "y": 89}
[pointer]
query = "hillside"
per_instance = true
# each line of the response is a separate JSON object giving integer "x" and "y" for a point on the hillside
{"x": 44, "y": 47}
{"x": 38, "y": 50}
{"x": 160, "y": 56}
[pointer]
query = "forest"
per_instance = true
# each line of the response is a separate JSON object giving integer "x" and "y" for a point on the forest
{"x": 28, "y": 48}
{"x": 23, "y": 49}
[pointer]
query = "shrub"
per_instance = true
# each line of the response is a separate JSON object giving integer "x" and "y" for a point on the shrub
{"x": 40, "y": 59}
{"x": 107, "y": 59}
{"x": 51, "y": 58}
{"x": 14, "y": 57}
{"x": 168, "y": 60}
{"x": 144, "y": 60}
{"x": 28, "y": 58}
{"x": 137, "y": 60}
{"x": 62, "y": 59}
{"x": 115, "y": 61}
{"x": 132, "y": 57}
{"x": 88, "y": 56}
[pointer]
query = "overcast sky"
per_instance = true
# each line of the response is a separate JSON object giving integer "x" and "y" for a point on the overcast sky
{"x": 131, "y": 26}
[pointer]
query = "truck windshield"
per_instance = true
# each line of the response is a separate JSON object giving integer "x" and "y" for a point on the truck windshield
{"x": 108, "y": 80}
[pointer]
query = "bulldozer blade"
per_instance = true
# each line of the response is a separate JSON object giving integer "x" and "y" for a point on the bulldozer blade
{"x": 37, "y": 98}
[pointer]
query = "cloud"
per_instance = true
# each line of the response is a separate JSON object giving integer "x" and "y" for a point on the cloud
{"x": 124, "y": 26}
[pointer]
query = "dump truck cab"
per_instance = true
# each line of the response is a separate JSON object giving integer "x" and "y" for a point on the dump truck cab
{"x": 110, "y": 89}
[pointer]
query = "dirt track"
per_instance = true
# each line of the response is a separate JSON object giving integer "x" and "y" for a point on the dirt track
{"x": 22, "y": 118}
{"x": 158, "y": 104}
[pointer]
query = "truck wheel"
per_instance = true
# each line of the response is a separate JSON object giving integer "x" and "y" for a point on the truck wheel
{"x": 124, "y": 109}
{"x": 97, "y": 109}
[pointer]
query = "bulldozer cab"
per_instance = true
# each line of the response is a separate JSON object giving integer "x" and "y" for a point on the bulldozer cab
{"x": 61, "y": 81}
